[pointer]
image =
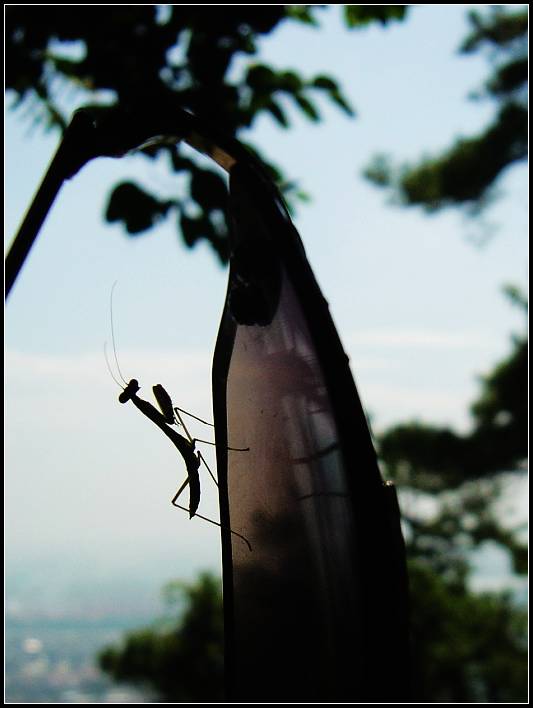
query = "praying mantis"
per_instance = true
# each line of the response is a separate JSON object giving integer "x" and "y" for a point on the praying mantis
{"x": 167, "y": 416}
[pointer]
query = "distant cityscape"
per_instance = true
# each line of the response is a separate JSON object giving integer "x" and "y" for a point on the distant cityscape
{"x": 59, "y": 616}
{"x": 54, "y": 661}
{"x": 55, "y": 626}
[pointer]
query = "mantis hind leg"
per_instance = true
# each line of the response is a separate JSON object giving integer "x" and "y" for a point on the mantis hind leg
{"x": 211, "y": 521}
{"x": 193, "y": 480}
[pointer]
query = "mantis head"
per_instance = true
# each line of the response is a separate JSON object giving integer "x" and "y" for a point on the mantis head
{"x": 130, "y": 390}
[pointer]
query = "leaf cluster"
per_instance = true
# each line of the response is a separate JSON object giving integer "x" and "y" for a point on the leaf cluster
{"x": 461, "y": 474}
{"x": 203, "y": 59}
{"x": 465, "y": 172}
{"x": 466, "y": 648}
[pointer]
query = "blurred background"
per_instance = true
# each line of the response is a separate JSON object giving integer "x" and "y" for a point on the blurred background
{"x": 399, "y": 137}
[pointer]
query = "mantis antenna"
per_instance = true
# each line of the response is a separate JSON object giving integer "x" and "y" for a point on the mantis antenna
{"x": 113, "y": 332}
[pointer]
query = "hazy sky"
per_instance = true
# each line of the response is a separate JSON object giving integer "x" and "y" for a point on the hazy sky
{"x": 418, "y": 305}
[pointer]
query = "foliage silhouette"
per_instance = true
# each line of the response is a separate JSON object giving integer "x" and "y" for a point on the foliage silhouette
{"x": 466, "y": 646}
{"x": 140, "y": 56}
{"x": 465, "y": 173}
{"x": 182, "y": 658}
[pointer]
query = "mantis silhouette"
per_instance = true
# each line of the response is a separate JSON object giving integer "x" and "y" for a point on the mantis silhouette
{"x": 167, "y": 416}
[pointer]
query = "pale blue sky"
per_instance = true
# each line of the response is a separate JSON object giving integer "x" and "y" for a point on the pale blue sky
{"x": 418, "y": 306}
